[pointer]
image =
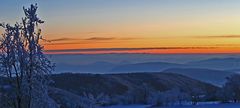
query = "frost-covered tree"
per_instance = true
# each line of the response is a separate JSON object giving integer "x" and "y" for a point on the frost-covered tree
{"x": 155, "y": 99}
{"x": 196, "y": 95}
{"x": 170, "y": 97}
{"x": 231, "y": 89}
{"x": 98, "y": 100}
{"x": 24, "y": 64}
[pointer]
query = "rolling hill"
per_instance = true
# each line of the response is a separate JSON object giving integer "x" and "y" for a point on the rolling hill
{"x": 118, "y": 84}
{"x": 216, "y": 77}
{"x": 217, "y": 63}
{"x": 146, "y": 67}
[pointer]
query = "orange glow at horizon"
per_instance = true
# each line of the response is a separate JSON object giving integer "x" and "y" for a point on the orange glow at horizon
{"x": 221, "y": 44}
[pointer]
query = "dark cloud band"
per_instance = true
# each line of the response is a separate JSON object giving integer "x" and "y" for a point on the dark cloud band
{"x": 126, "y": 49}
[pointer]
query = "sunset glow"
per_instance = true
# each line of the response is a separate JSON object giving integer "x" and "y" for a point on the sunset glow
{"x": 210, "y": 26}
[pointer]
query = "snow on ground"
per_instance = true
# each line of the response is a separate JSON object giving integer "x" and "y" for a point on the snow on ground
{"x": 128, "y": 106}
{"x": 230, "y": 105}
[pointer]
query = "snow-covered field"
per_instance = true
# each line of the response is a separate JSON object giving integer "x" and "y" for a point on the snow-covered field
{"x": 128, "y": 106}
{"x": 232, "y": 105}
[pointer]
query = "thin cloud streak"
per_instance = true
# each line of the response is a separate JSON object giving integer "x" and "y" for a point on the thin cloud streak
{"x": 127, "y": 49}
{"x": 72, "y": 43}
{"x": 100, "y": 38}
{"x": 91, "y": 38}
{"x": 220, "y": 36}
{"x": 62, "y": 39}
{"x": 130, "y": 38}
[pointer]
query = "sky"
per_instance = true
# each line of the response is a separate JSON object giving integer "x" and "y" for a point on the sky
{"x": 134, "y": 26}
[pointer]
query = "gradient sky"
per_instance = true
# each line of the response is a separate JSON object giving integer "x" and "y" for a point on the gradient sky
{"x": 159, "y": 26}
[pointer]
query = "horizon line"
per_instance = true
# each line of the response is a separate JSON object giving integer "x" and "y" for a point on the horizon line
{"x": 147, "y": 50}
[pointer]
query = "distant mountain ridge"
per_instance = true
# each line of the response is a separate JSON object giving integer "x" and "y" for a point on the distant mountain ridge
{"x": 146, "y": 67}
{"x": 216, "y": 77}
{"x": 213, "y": 70}
{"x": 126, "y": 67}
{"x": 217, "y": 63}
{"x": 97, "y": 67}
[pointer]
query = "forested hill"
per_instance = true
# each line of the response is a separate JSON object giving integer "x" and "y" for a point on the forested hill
{"x": 119, "y": 84}
{"x": 84, "y": 90}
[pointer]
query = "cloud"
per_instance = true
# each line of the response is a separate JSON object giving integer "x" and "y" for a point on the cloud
{"x": 220, "y": 36}
{"x": 64, "y": 43}
{"x": 109, "y": 38}
{"x": 101, "y": 38}
{"x": 74, "y": 39}
{"x": 126, "y": 49}
{"x": 70, "y": 43}
{"x": 62, "y": 39}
